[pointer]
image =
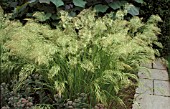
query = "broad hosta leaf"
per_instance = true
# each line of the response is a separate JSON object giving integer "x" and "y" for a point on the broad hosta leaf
{"x": 133, "y": 10}
{"x": 54, "y": 17}
{"x": 20, "y": 9}
{"x": 101, "y": 8}
{"x": 117, "y": 4}
{"x": 79, "y": 3}
{"x": 72, "y": 13}
{"x": 139, "y": 1}
{"x": 57, "y": 2}
{"x": 44, "y": 1}
{"x": 31, "y": 1}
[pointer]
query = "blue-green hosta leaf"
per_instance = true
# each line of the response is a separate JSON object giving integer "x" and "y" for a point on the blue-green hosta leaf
{"x": 101, "y": 8}
{"x": 79, "y": 3}
{"x": 21, "y": 9}
{"x": 133, "y": 10}
{"x": 54, "y": 17}
{"x": 139, "y": 1}
{"x": 44, "y": 1}
{"x": 73, "y": 14}
{"x": 117, "y": 4}
{"x": 31, "y": 1}
{"x": 57, "y": 2}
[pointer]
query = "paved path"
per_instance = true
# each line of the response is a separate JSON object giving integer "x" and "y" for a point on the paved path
{"x": 153, "y": 91}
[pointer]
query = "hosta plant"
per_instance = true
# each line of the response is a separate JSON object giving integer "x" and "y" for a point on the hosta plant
{"x": 48, "y": 9}
{"x": 84, "y": 54}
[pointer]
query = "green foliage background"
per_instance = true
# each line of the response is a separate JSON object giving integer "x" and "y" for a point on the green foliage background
{"x": 25, "y": 8}
{"x": 160, "y": 7}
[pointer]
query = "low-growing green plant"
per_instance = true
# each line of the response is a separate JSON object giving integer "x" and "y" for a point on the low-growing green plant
{"x": 84, "y": 54}
{"x": 11, "y": 100}
{"x": 34, "y": 94}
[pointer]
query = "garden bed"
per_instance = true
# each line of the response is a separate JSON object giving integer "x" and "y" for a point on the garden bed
{"x": 85, "y": 61}
{"x": 127, "y": 96}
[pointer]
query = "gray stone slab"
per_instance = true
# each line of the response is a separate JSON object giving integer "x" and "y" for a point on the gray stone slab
{"x": 158, "y": 64}
{"x": 147, "y": 65}
{"x": 162, "y": 88}
{"x": 145, "y": 86}
{"x": 144, "y": 73}
{"x": 145, "y": 101}
{"x": 154, "y": 74}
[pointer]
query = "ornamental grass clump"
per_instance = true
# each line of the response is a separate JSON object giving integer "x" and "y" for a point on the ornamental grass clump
{"x": 87, "y": 54}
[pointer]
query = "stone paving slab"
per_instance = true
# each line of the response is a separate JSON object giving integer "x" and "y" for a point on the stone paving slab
{"x": 158, "y": 64}
{"x": 157, "y": 79}
{"x": 145, "y": 86}
{"x": 154, "y": 74}
{"x": 144, "y": 73}
{"x": 162, "y": 88}
{"x": 147, "y": 65}
{"x": 145, "y": 101}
